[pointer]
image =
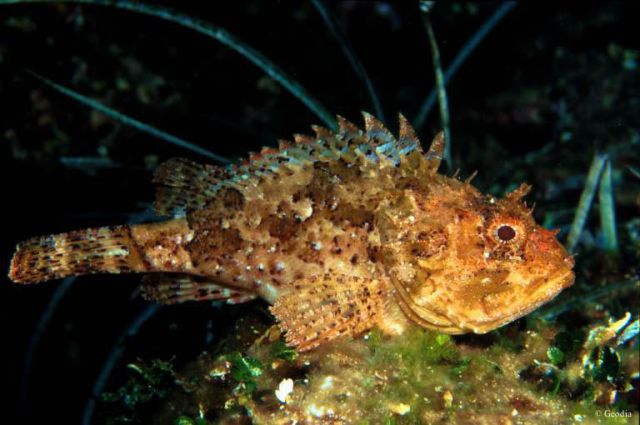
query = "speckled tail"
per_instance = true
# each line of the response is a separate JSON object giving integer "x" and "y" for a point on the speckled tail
{"x": 97, "y": 250}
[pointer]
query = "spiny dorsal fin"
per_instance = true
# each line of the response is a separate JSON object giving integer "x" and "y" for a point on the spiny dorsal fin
{"x": 185, "y": 186}
{"x": 268, "y": 150}
{"x": 407, "y": 133}
{"x": 303, "y": 138}
{"x": 182, "y": 184}
{"x": 435, "y": 153}
{"x": 326, "y": 307}
{"x": 376, "y": 130}
{"x": 322, "y": 132}
{"x": 348, "y": 130}
{"x": 284, "y": 144}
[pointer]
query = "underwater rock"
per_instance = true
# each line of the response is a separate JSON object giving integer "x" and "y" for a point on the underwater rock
{"x": 422, "y": 377}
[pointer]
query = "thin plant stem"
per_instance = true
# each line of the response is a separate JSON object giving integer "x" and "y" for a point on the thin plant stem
{"x": 586, "y": 199}
{"x": 216, "y": 33}
{"x": 553, "y": 310}
{"x": 442, "y": 93}
{"x": 113, "y": 358}
{"x": 131, "y": 122}
{"x": 39, "y": 331}
{"x": 331, "y": 23}
{"x": 461, "y": 57}
{"x": 607, "y": 210}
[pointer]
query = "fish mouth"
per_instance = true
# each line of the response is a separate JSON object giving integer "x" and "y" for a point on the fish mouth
{"x": 432, "y": 320}
{"x": 559, "y": 281}
{"x": 567, "y": 279}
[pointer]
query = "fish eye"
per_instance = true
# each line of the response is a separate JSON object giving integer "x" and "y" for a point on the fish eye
{"x": 506, "y": 233}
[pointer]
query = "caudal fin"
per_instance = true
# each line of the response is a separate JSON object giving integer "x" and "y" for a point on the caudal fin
{"x": 98, "y": 250}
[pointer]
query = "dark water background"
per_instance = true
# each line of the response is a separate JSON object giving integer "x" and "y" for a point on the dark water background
{"x": 545, "y": 70}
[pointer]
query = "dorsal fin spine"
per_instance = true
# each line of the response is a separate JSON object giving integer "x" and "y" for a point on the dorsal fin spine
{"x": 186, "y": 186}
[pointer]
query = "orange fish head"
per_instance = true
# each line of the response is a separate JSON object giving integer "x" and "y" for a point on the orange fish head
{"x": 486, "y": 263}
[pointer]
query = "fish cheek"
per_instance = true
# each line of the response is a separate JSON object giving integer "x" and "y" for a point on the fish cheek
{"x": 485, "y": 297}
{"x": 501, "y": 303}
{"x": 424, "y": 289}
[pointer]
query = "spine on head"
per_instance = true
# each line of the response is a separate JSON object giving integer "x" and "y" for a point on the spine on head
{"x": 119, "y": 249}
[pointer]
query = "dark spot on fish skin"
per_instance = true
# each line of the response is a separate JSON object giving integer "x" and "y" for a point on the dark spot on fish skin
{"x": 373, "y": 253}
{"x": 359, "y": 216}
{"x": 321, "y": 187}
{"x": 232, "y": 199}
{"x": 417, "y": 252}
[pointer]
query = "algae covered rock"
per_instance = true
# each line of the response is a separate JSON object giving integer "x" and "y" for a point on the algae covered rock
{"x": 421, "y": 377}
{"x": 528, "y": 373}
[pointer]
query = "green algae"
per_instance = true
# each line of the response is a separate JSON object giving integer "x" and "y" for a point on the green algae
{"x": 186, "y": 420}
{"x": 147, "y": 383}
{"x": 282, "y": 351}
{"x": 536, "y": 375}
{"x": 426, "y": 348}
{"x": 244, "y": 370}
{"x": 556, "y": 356}
{"x": 426, "y": 377}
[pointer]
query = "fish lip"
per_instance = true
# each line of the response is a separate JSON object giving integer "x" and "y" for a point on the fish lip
{"x": 565, "y": 278}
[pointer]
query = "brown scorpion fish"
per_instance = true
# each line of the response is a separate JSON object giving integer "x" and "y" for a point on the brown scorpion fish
{"x": 341, "y": 232}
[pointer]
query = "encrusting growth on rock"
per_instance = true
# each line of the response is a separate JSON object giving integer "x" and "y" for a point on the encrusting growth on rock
{"x": 341, "y": 231}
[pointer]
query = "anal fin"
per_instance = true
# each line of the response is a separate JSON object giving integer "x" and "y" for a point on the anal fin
{"x": 326, "y": 307}
{"x": 172, "y": 288}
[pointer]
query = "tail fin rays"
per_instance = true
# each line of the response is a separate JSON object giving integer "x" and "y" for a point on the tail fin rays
{"x": 97, "y": 250}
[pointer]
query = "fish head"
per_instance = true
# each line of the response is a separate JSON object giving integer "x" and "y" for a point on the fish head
{"x": 472, "y": 263}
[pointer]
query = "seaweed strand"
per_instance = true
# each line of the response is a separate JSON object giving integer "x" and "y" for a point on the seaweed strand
{"x": 442, "y": 93}
{"x": 347, "y": 49}
{"x": 607, "y": 210}
{"x": 219, "y": 34}
{"x": 112, "y": 359}
{"x": 461, "y": 57}
{"x": 36, "y": 337}
{"x": 586, "y": 199}
{"x": 553, "y": 310}
{"x": 132, "y": 122}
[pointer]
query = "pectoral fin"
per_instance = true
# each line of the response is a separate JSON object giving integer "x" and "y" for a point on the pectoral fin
{"x": 326, "y": 307}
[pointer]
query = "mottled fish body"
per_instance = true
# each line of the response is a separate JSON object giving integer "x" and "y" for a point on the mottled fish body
{"x": 341, "y": 232}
